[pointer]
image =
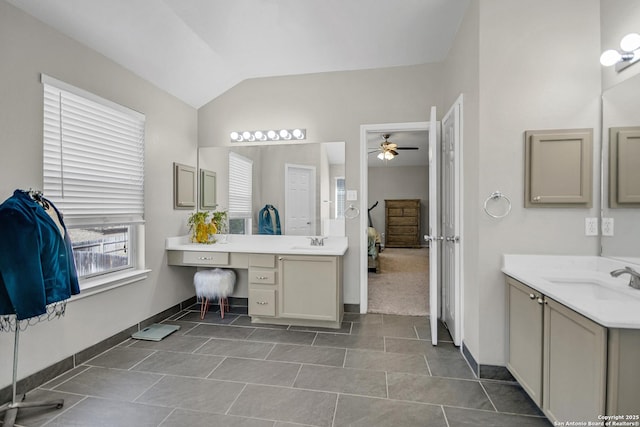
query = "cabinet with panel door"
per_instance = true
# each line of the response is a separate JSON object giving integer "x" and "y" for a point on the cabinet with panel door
{"x": 557, "y": 355}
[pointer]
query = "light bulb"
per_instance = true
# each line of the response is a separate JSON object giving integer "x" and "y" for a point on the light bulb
{"x": 284, "y": 134}
{"x": 610, "y": 57}
{"x": 234, "y": 136}
{"x": 272, "y": 135}
{"x": 298, "y": 134}
{"x": 260, "y": 136}
{"x": 630, "y": 42}
{"x": 381, "y": 156}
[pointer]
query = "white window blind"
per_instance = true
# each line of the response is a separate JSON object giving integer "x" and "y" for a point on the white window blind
{"x": 240, "y": 184}
{"x": 93, "y": 156}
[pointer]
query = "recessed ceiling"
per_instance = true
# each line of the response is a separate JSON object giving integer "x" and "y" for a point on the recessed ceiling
{"x": 198, "y": 49}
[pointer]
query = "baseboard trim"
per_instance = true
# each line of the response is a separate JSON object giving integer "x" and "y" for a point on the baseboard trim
{"x": 352, "y": 308}
{"x": 486, "y": 372}
{"x": 47, "y": 374}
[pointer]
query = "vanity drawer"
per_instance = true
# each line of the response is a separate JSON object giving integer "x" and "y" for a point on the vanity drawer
{"x": 262, "y": 302}
{"x": 262, "y": 260}
{"x": 205, "y": 258}
{"x": 267, "y": 277}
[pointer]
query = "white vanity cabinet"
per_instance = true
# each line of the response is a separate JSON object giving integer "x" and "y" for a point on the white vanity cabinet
{"x": 262, "y": 285}
{"x": 310, "y": 287}
{"x": 525, "y": 314}
{"x": 557, "y": 355}
{"x": 304, "y": 290}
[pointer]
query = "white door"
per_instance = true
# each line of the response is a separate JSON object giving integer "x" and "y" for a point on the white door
{"x": 434, "y": 226}
{"x": 300, "y": 200}
{"x": 451, "y": 220}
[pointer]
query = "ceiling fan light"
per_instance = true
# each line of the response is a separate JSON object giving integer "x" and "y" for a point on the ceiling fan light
{"x": 381, "y": 156}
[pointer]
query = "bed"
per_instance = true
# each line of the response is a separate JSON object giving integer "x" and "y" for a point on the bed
{"x": 374, "y": 249}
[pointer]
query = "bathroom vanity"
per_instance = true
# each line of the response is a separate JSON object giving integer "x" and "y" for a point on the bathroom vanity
{"x": 573, "y": 335}
{"x": 290, "y": 282}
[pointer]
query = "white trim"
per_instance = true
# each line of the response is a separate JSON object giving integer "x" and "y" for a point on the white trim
{"x": 364, "y": 190}
{"x": 107, "y": 282}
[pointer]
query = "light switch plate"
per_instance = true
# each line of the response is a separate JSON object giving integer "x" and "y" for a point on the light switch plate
{"x": 607, "y": 226}
{"x": 591, "y": 226}
{"x": 352, "y": 195}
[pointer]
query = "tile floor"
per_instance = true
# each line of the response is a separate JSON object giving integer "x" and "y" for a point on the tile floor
{"x": 377, "y": 370}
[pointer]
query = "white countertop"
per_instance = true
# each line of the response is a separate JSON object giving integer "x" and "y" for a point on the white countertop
{"x": 286, "y": 245}
{"x": 582, "y": 283}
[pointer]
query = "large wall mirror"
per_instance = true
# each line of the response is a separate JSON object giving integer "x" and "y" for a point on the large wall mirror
{"x": 620, "y": 166}
{"x": 302, "y": 182}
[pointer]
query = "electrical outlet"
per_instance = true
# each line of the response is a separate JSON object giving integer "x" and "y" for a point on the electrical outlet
{"x": 607, "y": 226}
{"x": 591, "y": 226}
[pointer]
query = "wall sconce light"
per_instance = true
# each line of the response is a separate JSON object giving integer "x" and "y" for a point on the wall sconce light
{"x": 629, "y": 53}
{"x": 268, "y": 135}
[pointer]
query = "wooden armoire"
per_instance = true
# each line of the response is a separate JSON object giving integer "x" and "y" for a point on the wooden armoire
{"x": 402, "y": 223}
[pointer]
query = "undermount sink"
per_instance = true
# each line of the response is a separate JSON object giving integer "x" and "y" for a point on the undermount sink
{"x": 592, "y": 287}
{"x": 306, "y": 247}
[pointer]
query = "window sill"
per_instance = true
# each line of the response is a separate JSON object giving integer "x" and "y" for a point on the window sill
{"x": 98, "y": 285}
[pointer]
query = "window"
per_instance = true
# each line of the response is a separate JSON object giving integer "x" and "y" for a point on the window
{"x": 94, "y": 174}
{"x": 340, "y": 197}
{"x": 240, "y": 193}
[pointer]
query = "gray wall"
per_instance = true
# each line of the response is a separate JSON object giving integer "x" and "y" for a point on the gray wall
{"x": 28, "y": 48}
{"x": 398, "y": 183}
{"x": 331, "y": 106}
{"x": 527, "y": 80}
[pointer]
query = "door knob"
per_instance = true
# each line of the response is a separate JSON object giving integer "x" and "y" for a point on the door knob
{"x": 454, "y": 239}
{"x": 432, "y": 238}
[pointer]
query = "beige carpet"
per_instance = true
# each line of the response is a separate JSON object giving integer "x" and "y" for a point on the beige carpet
{"x": 402, "y": 286}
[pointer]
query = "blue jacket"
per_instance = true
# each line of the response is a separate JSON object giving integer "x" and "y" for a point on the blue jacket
{"x": 36, "y": 262}
{"x": 269, "y": 220}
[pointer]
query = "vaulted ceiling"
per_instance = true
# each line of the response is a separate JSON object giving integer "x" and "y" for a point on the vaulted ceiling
{"x": 198, "y": 49}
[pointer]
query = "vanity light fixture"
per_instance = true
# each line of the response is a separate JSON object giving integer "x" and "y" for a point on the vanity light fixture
{"x": 629, "y": 53}
{"x": 268, "y": 135}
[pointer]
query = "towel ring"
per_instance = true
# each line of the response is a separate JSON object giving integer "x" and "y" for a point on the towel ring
{"x": 496, "y": 195}
{"x": 354, "y": 212}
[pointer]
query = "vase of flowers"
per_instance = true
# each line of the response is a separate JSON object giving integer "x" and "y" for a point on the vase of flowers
{"x": 204, "y": 229}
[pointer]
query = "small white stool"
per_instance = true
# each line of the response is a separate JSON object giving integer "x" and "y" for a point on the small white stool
{"x": 215, "y": 283}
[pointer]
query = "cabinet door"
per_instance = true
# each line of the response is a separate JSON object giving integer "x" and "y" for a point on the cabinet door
{"x": 574, "y": 365}
{"x": 525, "y": 338}
{"x": 308, "y": 287}
{"x": 558, "y": 168}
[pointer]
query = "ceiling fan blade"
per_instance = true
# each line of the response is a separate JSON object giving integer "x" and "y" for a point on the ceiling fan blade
{"x": 408, "y": 148}
{"x": 394, "y": 152}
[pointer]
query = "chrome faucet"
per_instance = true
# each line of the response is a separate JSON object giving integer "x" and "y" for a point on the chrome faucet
{"x": 317, "y": 241}
{"x": 634, "y": 281}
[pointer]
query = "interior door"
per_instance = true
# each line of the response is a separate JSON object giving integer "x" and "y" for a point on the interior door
{"x": 300, "y": 200}
{"x": 451, "y": 221}
{"x": 434, "y": 237}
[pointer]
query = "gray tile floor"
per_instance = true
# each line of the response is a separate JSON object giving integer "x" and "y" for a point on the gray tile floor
{"x": 377, "y": 370}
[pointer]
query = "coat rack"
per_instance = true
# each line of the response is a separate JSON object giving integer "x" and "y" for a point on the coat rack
{"x": 9, "y": 323}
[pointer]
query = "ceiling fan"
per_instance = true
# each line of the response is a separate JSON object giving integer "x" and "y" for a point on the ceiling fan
{"x": 388, "y": 149}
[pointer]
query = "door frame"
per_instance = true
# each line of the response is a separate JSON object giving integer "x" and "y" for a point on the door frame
{"x": 364, "y": 194}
